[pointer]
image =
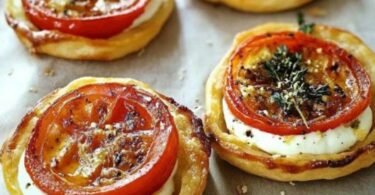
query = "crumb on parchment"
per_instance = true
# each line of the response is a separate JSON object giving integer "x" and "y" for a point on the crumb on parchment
{"x": 181, "y": 74}
{"x": 10, "y": 73}
{"x": 33, "y": 90}
{"x": 49, "y": 71}
{"x": 241, "y": 189}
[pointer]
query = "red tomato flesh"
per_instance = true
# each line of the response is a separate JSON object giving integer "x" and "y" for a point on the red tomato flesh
{"x": 103, "y": 139}
{"x": 83, "y": 18}
{"x": 327, "y": 64}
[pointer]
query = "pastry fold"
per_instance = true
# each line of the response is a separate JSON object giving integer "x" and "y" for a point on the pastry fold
{"x": 74, "y": 47}
{"x": 301, "y": 167}
{"x": 193, "y": 152}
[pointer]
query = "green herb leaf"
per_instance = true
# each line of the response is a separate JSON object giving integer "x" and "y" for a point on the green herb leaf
{"x": 291, "y": 90}
{"x": 303, "y": 27}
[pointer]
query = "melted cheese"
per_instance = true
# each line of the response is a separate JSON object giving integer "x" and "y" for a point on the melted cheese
{"x": 101, "y": 5}
{"x": 59, "y": 5}
{"x": 27, "y": 186}
{"x": 329, "y": 142}
{"x": 150, "y": 11}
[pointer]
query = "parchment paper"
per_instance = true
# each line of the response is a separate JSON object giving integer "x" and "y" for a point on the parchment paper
{"x": 177, "y": 63}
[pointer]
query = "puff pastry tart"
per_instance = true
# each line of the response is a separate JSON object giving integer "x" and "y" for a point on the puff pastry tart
{"x": 87, "y": 30}
{"x": 107, "y": 136}
{"x": 264, "y": 6}
{"x": 293, "y": 106}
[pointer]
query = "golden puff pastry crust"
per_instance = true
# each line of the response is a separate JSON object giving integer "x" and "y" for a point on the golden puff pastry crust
{"x": 302, "y": 167}
{"x": 265, "y": 6}
{"x": 193, "y": 153}
{"x": 69, "y": 46}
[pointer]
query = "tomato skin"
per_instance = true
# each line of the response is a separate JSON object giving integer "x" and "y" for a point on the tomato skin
{"x": 148, "y": 178}
{"x": 251, "y": 118}
{"x": 99, "y": 27}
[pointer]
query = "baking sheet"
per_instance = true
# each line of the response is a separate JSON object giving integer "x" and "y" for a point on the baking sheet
{"x": 177, "y": 63}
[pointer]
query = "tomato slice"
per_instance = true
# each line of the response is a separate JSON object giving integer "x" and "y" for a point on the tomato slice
{"x": 103, "y": 139}
{"x": 250, "y": 88}
{"x": 92, "y": 19}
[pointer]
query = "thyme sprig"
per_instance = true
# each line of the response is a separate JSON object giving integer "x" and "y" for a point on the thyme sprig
{"x": 291, "y": 90}
{"x": 303, "y": 27}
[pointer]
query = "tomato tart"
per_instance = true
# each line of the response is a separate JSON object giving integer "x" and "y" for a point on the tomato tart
{"x": 87, "y": 30}
{"x": 265, "y": 6}
{"x": 107, "y": 136}
{"x": 294, "y": 103}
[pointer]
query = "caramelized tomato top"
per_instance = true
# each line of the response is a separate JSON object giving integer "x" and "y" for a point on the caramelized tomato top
{"x": 292, "y": 83}
{"x": 88, "y": 18}
{"x": 103, "y": 139}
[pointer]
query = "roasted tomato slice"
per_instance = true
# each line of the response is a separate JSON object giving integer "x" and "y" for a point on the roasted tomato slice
{"x": 88, "y": 18}
{"x": 292, "y": 83}
{"x": 103, "y": 139}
